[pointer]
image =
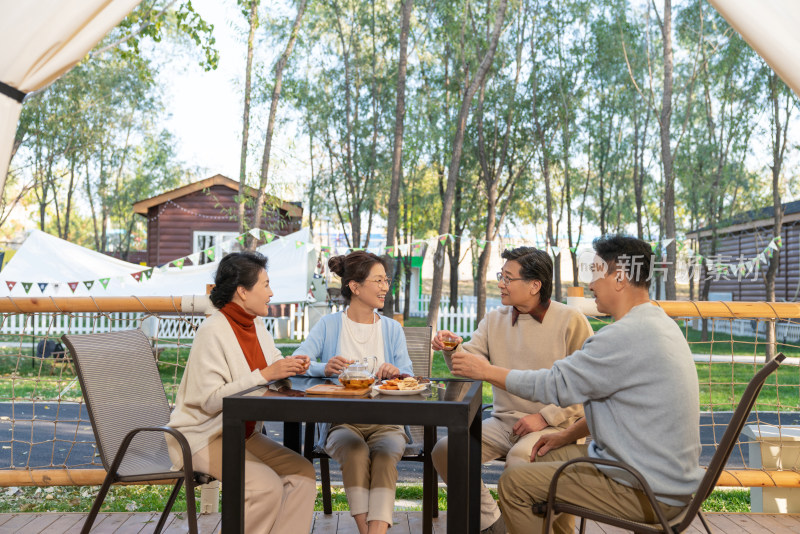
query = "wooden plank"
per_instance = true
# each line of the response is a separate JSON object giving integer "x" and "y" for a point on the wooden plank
{"x": 209, "y": 523}
{"x": 17, "y": 522}
{"x": 347, "y": 525}
{"x": 791, "y": 521}
{"x": 747, "y": 523}
{"x": 591, "y": 527}
{"x": 65, "y": 523}
{"x": 39, "y": 523}
{"x": 109, "y": 523}
{"x": 139, "y": 522}
{"x": 325, "y": 524}
{"x": 767, "y": 523}
{"x": 724, "y": 524}
{"x": 400, "y": 523}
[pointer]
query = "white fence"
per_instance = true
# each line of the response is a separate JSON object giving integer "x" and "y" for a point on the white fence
{"x": 182, "y": 327}
{"x": 420, "y": 305}
{"x": 750, "y": 328}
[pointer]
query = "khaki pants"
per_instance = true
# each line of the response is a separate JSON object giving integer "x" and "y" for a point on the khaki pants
{"x": 497, "y": 440}
{"x": 522, "y": 485}
{"x": 279, "y": 485}
{"x": 368, "y": 455}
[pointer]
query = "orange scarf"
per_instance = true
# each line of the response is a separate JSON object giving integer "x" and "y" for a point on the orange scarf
{"x": 244, "y": 328}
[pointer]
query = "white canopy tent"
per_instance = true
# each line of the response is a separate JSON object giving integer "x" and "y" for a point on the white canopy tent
{"x": 40, "y": 40}
{"x": 45, "y": 259}
{"x": 770, "y": 28}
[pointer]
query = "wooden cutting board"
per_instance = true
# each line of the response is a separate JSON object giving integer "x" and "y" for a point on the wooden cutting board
{"x": 333, "y": 389}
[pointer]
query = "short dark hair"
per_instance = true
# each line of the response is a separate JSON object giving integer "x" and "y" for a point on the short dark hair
{"x": 353, "y": 267}
{"x": 627, "y": 254}
{"x": 535, "y": 265}
{"x": 236, "y": 269}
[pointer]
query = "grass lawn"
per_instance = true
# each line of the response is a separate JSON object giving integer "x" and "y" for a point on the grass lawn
{"x": 152, "y": 499}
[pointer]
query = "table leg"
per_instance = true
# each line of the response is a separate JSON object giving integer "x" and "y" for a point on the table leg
{"x": 458, "y": 476}
{"x": 474, "y": 483}
{"x": 429, "y": 486}
{"x": 233, "y": 475}
{"x": 292, "y": 436}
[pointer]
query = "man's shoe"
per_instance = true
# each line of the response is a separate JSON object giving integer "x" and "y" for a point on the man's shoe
{"x": 498, "y": 527}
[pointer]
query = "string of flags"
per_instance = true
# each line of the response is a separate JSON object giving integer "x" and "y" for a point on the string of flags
{"x": 415, "y": 248}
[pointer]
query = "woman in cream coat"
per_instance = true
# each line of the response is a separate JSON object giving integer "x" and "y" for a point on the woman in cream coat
{"x": 232, "y": 351}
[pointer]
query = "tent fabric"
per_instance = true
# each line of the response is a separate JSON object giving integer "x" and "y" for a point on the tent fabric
{"x": 770, "y": 28}
{"x": 46, "y": 259}
{"x": 40, "y": 40}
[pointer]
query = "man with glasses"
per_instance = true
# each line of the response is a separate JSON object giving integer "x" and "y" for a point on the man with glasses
{"x": 638, "y": 384}
{"x": 528, "y": 332}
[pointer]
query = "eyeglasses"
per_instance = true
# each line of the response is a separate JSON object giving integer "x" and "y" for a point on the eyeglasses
{"x": 506, "y": 279}
{"x": 382, "y": 281}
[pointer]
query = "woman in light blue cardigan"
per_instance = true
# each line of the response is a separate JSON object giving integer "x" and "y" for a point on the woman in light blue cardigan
{"x": 368, "y": 454}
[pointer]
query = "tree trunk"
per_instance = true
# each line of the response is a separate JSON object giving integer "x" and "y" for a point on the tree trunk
{"x": 253, "y": 22}
{"x": 455, "y": 163}
{"x": 779, "y": 136}
{"x": 273, "y": 110}
{"x": 397, "y": 152}
{"x": 668, "y": 214}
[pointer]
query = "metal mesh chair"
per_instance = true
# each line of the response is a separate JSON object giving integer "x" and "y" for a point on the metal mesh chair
{"x": 129, "y": 412}
{"x": 418, "y": 341}
{"x": 683, "y": 520}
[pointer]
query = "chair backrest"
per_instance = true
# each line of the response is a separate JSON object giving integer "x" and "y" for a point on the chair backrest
{"x": 418, "y": 341}
{"x": 729, "y": 438}
{"x": 123, "y": 390}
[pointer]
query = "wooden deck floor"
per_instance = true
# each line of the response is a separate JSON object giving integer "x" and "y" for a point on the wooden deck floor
{"x": 342, "y": 523}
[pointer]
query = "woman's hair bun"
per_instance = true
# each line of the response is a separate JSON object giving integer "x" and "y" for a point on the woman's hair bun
{"x": 336, "y": 264}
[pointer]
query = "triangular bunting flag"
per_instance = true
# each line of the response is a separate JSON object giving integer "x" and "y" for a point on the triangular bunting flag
{"x": 148, "y": 273}
{"x": 573, "y": 249}
{"x": 298, "y": 244}
{"x": 88, "y": 284}
{"x": 443, "y": 239}
{"x": 255, "y": 232}
{"x": 73, "y": 285}
{"x": 137, "y": 276}
{"x": 42, "y": 286}
{"x": 556, "y": 251}
{"x": 779, "y": 241}
{"x": 10, "y": 284}
{"x": 654, "y": 246}
{"x": 194, "y": 258}
{"x": 667, "y": 242}
{"x": 210, "y": 253}
{"x": 772, "y": 245}
{"x": 762, "y": 257}
{"x": 241, "y": 239}
{"x": 104, "y": 281}
{"x": 268, "y": 236}
{"x": 178, "y": 263}
{"x": 27, "y": 286}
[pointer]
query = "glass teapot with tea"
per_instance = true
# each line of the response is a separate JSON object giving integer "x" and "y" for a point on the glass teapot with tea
{"x": 360, "y": 373}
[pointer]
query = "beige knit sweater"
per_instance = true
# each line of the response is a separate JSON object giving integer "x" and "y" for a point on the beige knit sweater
{"x": 528, "y": 345}
{"x": 216, "y": 368}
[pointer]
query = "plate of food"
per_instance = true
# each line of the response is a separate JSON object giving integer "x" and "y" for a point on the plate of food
{"x": 401, "y": 386}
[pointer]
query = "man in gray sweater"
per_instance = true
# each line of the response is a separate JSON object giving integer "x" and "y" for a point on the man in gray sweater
{"x": 638, "y": 384}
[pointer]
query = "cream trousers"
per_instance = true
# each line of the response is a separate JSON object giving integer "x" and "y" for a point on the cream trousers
{"x": 497, "y": 440}
{"x": 523, "y": 485}
{"x": 368, "y": 455}
{"x": 279, "y": 485}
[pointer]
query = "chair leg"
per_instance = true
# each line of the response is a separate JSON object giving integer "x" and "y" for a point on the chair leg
{"x": 172, "y": 496}
{"x": 548, "y": 520}
{"x": 98, "y": 502}
{"x": 583, "y": 525}
{"x": 435, "y": 493}
{"x": 703, "y": 520}
{"x": 191, "y": 503}
{"x": 325, "y": 476}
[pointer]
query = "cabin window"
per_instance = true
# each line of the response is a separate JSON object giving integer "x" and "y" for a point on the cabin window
{"x": 206, "y": 240}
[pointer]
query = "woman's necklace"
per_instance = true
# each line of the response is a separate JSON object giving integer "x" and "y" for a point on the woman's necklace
{"x": 351, "y": 332}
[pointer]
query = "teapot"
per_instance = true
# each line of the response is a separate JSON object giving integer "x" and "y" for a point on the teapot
{"x": 359, "y": 374}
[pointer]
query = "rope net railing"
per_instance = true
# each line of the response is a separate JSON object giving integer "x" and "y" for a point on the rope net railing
{"x": 46, "y": 437}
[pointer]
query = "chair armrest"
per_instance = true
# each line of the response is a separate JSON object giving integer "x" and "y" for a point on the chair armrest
{"x": 487, "y": 407}
{"x": 645, "y": 487}
{"x": 180, "y": 438}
